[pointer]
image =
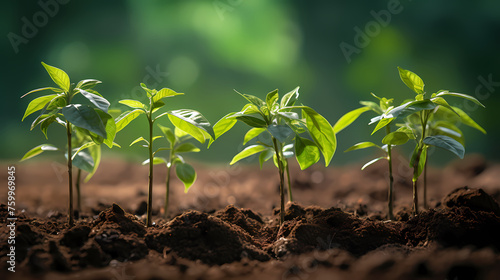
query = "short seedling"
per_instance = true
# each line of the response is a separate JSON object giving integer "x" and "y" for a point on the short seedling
{"x": 423, "y": 109}
{"x": 390, "y": 140}
{"x": 184, "y": 171}
{"x": 189, "y": 121}
{"x": 92, "y": 121}
{"x": 286, "y": 131}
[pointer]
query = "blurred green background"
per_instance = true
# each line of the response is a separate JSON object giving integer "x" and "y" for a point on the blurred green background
{"x": 337, "y": 51}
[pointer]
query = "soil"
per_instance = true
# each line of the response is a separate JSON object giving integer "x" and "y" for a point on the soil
{"x": 226, "y": 226}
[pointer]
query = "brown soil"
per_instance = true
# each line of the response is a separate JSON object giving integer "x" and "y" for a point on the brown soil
{"x": 226, "y": 226}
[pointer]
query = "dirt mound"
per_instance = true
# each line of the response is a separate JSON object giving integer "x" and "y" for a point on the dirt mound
{"x": 475, "y": 199}
{"x": 455, "y": 227}
{"x": 310, "y": 228}
{"x": 116, "y": 218}
{"x": 246, "y": 219}
{"x": 198, "y": 236}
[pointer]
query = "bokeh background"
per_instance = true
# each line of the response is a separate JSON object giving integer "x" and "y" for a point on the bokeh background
{"x": 336, "y": 51}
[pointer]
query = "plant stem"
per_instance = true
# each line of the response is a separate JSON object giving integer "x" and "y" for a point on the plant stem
{"x": 169, "y": 167}
{"x": 425, "y": 184}
{"x": 390, "y": 198}
{"x": 150, "y": 185}
{"x": 71, "y": 220}
{"x": 282, "y": 179}
{"x": 77, "y": 185}
{"x": 290, "y": 197}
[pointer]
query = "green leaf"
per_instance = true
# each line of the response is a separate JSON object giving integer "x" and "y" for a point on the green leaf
{"x": 123, "y": 120}
{"x": 156, "y": 160}
{"x": 87, "y": 84}
{"x": 271, "y": 99}
{"x": 252, "y": 133}
{"x": 395, "y": 138}
{"x": 349, "y": 118}
{"x": 408, "y": 131}
{"x": 168, "y": 133}
{"x": 193, "y": 123}
{"x": 58, "y": 76}
{"x": 265, "y": 156}
{"x": 132, "y": 103}
{"x": 186, "y": 148}
{"x": 156, "y": 137}
{"x": 44, "y": 125}
{"x": 38, "y": 104}
{"x": 290, "y": 98}
{"x": 362, "y": 145}
{"x": 57, "y": 90}
{"x": 465, "y": 119}
{"x": 248, "y": 151}
{"x": 186, "y": 174}
{"x": 110, "y": 127}
{"x": 85, "y": 117}
{"x": 98, "y": 101}
{"x": 38, "y": 150}
{"x": 322, "y": 133}
{"x": 421, "y": 162}
{"x": 95, "y": 153}
{"x": 461, "y": 95}
{"x": 253, "y": 99}
{"x": 372, "y": 162}
{"x": 446, "y": 143}
{"x": 149, "y": 92}
{"x": 252, "y": 120}
{"x": 157, "y": 105}
{"x": 281, "y": 132}
{"x": 83, "y": 160}
{"x": 306, "y": 151}
{"x": 139, "y": 140}
{"x": 382, "y": 123}
{"x": 224, "y": 124}
{"x": 81, "y": 148}
{"x": 165, "y": 92}
{"x": 373, "y": 106}
{"x": 412, "y": 80}
{"x": 442, "y": 102}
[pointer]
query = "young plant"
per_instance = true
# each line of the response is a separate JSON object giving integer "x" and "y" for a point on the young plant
{"x": 305, "y": 136}
{"x": 442, "y": 121}
{"x": 423, "y": 108}
{"x": 184, "y": 171}
{"x": 92, "y": 121}
{"x": 189, "y": 121}
{"x": 390, "y": 140}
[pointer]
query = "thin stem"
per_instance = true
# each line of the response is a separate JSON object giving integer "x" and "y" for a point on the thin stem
{"x": 390, "y": 198}
{"x": 167, "y": 191}
{"x": 150, "y": 186}
{"x": 290, "y": 197}
{"x": 425, "y": 183}
{"x": 71, "y": 220}
{"x": 78, "y": 194}
{"x": 282, "y": 179}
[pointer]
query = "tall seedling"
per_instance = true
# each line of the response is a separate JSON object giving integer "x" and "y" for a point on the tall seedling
{"x": 189, "y": 121}
{"x": 422, "y": 109}
{"x": 178, "y": 145}
{"x": 390, "y": 140}
{"x": 92, "y": 121}
{"x": 304, "y": 136}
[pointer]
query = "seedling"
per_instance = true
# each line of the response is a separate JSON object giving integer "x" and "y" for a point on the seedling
{"x": 423, "y": 108}
{"x": 390, "y": 140}
{"x": 177, "y": 145}
{"x": 92, "y": 121}
{"x": 189, "y": 121}
{"x": 286, "y": 130}
{"x": 442, "y": 121}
